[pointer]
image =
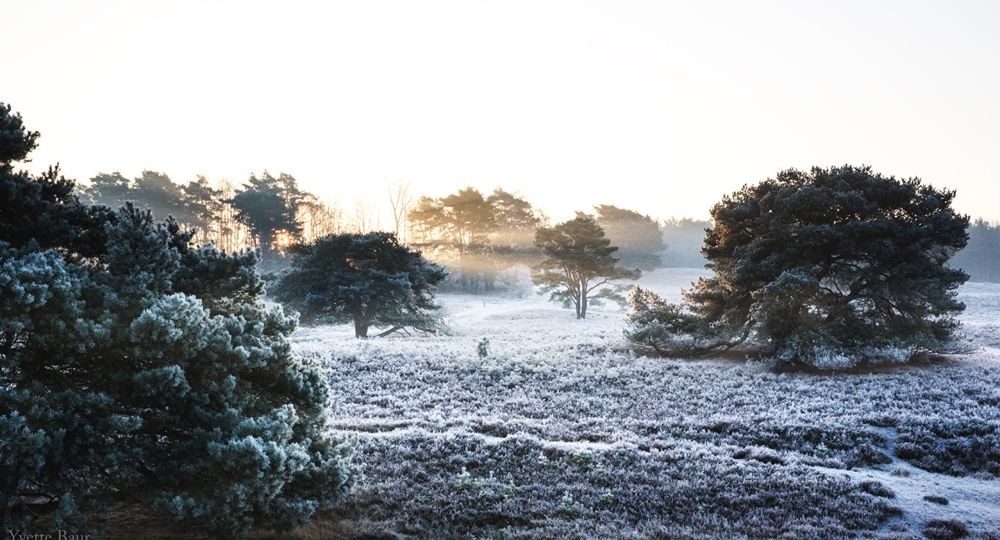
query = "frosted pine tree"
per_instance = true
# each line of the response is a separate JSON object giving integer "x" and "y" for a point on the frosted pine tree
{"x": 830, "y": 268}
{"x": 137, "y": 368}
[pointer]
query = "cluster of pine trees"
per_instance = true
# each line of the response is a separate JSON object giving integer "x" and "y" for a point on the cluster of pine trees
{"x": 479, "y": 236}
{"x": 266, "y": 212}
{"x": 476, "y": 235}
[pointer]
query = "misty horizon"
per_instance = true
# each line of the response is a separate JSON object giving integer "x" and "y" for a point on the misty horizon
{"x": 658, "y": 107}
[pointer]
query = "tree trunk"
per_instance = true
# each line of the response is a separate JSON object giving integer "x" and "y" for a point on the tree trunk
{"x": 583, "y": 307}
{"x": 265, "y": 245}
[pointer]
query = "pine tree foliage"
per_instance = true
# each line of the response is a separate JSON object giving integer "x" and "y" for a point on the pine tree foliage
{"x": 137, "y": 368}
{"x": 16, "y": 142}
{"x": 829, "y": 267}
{"x": 194, "y": 204}
{"x": 477, "y": 236}
{"x": 269, "y": 207}
{"x": 579, "y": 268}
{"x": 457, "y": 228}
{"x": 515, "y": 218}
{"x": 368, "y": 279}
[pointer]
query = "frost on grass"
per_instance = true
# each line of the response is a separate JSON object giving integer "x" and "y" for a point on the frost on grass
{"x": 559, "y": 431}
{"x": 440, "y": 485}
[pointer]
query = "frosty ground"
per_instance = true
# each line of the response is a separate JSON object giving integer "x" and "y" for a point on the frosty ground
{"x": 560, "y": 431}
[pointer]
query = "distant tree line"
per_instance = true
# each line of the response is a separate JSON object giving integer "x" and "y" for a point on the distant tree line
{"x": 266, "y": 212}
{"x": 981, "y": 258}
{"x": 637, "y": 236}
{"x": 478, "y": 237}
{"x": 683, "y": 238}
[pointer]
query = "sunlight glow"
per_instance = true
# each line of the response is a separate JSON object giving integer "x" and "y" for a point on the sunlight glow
{"x": 658, "y": 106}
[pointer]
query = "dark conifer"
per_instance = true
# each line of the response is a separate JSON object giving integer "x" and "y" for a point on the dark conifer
{"x": 368, "y": 279}
{"x": 136, "y": 368}
{"x": 826, "y": 267}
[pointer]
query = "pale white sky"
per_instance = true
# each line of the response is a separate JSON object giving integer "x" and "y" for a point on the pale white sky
{"x": 658, "y": 106}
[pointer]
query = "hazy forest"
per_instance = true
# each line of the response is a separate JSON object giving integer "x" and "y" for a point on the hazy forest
{"x": 469, "y": 231}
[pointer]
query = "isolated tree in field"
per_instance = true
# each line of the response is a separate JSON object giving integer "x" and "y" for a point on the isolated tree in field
{"x": 136, "y": 368}
{"x": 638, "y": 237}
{"x": 829, "y": 267}
{"x": 269, "y": 207}
{"x": 578, "y": 268}
{"x": 368, "y": 279}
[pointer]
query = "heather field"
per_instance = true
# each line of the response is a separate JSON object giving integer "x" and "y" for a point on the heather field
{"x": 524, "y": 422}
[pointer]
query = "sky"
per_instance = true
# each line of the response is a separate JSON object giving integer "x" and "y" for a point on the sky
{"x": 661, "y": 107}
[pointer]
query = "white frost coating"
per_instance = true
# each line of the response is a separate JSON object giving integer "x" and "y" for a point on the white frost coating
{"x": 561, "y": 384}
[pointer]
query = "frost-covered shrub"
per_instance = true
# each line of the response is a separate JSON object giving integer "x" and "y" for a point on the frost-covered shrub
{"x": 763, "y": 455}
{"x": 830, "y": 268}
{"x": 826, "y": 444}
{"x": 945, "y": 529}
{"x": 483, "y": 348}
{"x": 956, "y": 447}
{"x": 656, "y": 326}
{"x": 135, "y": 367}
{"x": 427, "y": 485}
{"x": 876, "y": 488}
